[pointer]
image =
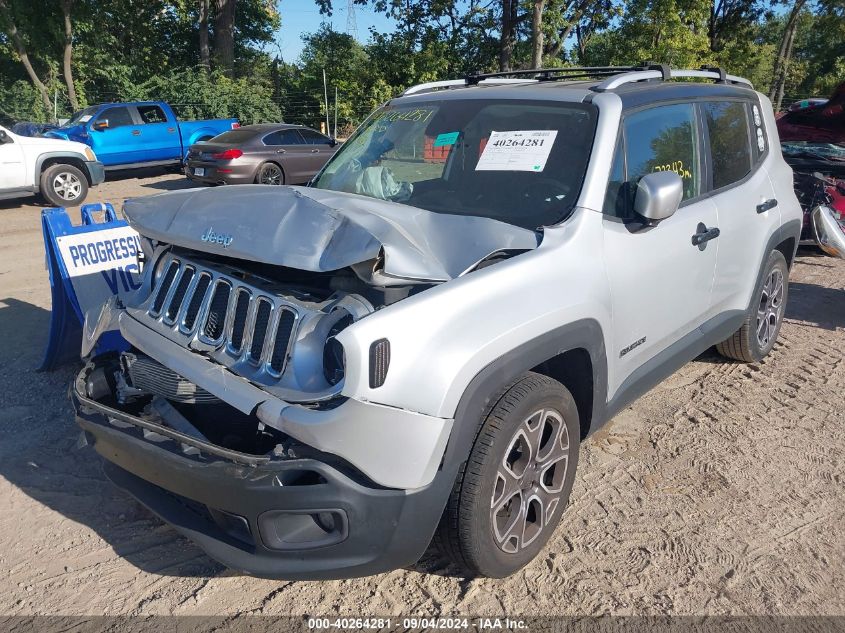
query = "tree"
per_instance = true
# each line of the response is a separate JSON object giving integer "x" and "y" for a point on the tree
{"x": 224, "y": 36}
{"x": 20, "y": 47}
{"x": 205, "y": 58}
{"x": 68, "y": 55}
{"x": 784, "y": 55}
{"x": 537, "y": 34}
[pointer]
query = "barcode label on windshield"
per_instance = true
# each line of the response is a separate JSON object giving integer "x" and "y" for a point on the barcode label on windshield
{"x": 517, "y": 150}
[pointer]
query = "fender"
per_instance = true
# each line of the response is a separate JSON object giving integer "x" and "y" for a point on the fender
{"x": 488, "y": 384}
{"x": 43, "y": 157}
{"x": 201, "y": 133}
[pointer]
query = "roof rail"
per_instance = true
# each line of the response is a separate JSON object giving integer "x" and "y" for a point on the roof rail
{"x": 648, "y": 73}
{"x": 461, "y": 83}
{"x": 614, "y": 76}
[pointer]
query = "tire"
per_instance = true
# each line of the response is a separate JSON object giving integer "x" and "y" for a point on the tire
{"x": 758, "y": 334}
{"x": 482, "y": 531}
{"x": 63, "y": 185}
{"x": 270, "y": 174}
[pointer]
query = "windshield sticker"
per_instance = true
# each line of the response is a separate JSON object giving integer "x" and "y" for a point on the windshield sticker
{"x": 447, "y": 138}
{"x": 85, "y": 118}
{"x": 518, "y": 150}
{"x": 417, "y": 115}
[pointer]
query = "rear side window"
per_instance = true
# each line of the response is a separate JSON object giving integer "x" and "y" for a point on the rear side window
{"x": 283, "y": 137}
{"x": 314, "y": 138}
{"x": 730, "y": 149}
{"x": 663, "y": 138}
{"x": 117, "y": 117}
{"x": 152, "y": 114}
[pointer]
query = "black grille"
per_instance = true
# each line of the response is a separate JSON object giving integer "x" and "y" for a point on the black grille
{"x": 379, "y": 362}
{"x": 259, "y": 332}
{"x": 179, "y": 294}
{"x": 196, "y": 301}
{"x": 166, "y": 282}
{"x": 280, "y": 343}
{"x": 239, "y": 321}
{"x": 217, "y": 311}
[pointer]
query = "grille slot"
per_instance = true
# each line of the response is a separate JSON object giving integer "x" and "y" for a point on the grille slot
{"x": 197, "y": 299}
{"x": 236, "y": 340}
{"x": 281, "y": 341}
{"x": 216, "y": 319}
{"x": 247, "y": 328}
{"x": 259, "y": 330}
{"x": 164, "y": 287}
{"x": 179, "y": 294}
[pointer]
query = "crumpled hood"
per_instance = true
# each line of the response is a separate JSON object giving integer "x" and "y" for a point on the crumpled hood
{"x": 321, "y": 231}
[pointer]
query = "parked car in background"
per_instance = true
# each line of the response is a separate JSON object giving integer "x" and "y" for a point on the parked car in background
{"x": 269, "y": 154}
{"x": 61, "y": 171}
{"x": 28, "y": 128}
{"x": 813, "y": 143}
{"x": 138, "y": 134}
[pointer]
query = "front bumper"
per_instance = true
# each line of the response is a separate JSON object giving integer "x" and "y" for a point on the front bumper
{"x": 96, "y": 171}
{"x": 257, "y": 514}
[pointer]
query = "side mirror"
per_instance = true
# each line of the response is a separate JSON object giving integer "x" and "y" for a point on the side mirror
{"x": 829, "y": 231}
{"x": 4, "y": 138}
{"x": 333, "y": 142}
{"x": 658, "y": 195}
{"x": 100, "y": 125}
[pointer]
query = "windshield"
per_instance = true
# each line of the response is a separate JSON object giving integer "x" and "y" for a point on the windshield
{"x": 81, "y": 116}
{"x": 829, "y": 151}
{"x": 520, "y": 162}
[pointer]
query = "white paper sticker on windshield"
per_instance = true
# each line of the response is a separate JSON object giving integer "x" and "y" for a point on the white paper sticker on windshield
{"x": 518, "y": 150}
{"x": 85, "y": 118}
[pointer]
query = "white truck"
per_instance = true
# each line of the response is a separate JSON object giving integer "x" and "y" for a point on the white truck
{"x": 60, "y": 171}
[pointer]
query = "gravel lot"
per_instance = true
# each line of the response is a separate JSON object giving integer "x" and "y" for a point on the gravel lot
{"x": 721, "y": 492}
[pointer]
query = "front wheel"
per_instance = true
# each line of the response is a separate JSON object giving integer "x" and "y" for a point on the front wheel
{"x": 758, "y": 334}
{"x": 511, "y": 492}
{"x": 63, "y": 185}
{"x": 270, "y": 174}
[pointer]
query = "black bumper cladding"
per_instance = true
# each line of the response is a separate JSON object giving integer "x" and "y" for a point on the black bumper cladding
{"x": 273, "y": 517}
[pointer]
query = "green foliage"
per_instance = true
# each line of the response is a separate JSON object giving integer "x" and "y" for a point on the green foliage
{"x": 195, "y": 94}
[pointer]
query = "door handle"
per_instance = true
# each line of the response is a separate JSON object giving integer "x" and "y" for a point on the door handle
{"x": 314, "y": 151}
{"x": 704, "y": 235}
{"x": 136, "y": 132}
{"x": 171, "y": 129}
{"x": 764, "y": 206}
{"x": 280, "y": 151}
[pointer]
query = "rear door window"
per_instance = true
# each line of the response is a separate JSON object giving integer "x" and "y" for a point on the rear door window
{"x": 664, "y": 138}
{"x": 314, "y": 138}
{"x": 283, "y": 137}
{"x": 152, "y": 114}
{"x": 730, "y": 147}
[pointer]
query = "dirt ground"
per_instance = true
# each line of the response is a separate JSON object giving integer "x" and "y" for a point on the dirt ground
{"x": 721, "y": 492}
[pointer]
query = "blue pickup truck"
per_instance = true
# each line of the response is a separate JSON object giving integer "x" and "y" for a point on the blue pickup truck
{"x": 137, "y": 134}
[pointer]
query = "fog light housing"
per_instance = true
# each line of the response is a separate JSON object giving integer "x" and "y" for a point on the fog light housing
{"x": 302, "y": 529}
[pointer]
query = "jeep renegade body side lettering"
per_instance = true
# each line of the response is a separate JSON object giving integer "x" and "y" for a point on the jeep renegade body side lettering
{"x": 325, "y": 381}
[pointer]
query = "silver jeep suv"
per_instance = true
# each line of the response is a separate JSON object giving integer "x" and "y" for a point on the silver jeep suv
{"x": 324, "y": 381}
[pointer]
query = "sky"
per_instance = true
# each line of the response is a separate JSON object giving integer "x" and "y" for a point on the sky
{"x": 303, "y": 16}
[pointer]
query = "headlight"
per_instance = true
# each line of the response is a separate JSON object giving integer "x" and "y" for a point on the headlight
{"x": 334, "y": 358}
{"x": 89, "y": 154}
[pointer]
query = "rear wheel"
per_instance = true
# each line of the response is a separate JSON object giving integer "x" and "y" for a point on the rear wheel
{"x": 511, "y": 492}
{"x": 63, "y": 185}
{"x": 758, "y": 334}
{"x": 270, "y": 174}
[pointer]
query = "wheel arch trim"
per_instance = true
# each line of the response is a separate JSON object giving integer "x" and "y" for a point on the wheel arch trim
{"x": 46, "y": 156}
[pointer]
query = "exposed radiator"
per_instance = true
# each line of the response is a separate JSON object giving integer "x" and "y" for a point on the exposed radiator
{"x": 145, "y": 374}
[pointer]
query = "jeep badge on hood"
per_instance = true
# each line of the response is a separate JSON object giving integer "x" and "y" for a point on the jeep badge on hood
{"x": 216, "y": 238}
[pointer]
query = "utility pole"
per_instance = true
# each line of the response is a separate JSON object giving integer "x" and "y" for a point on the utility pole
{"x": 335, "y": 113}
{"x": 326, "y": 100}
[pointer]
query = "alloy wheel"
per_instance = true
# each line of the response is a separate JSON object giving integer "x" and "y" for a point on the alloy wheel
{"x": 67, "y": 186}
{"x": 270, "y": 175}
{"x": 770, "y": 310}
{"x": 529, "y": 480}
